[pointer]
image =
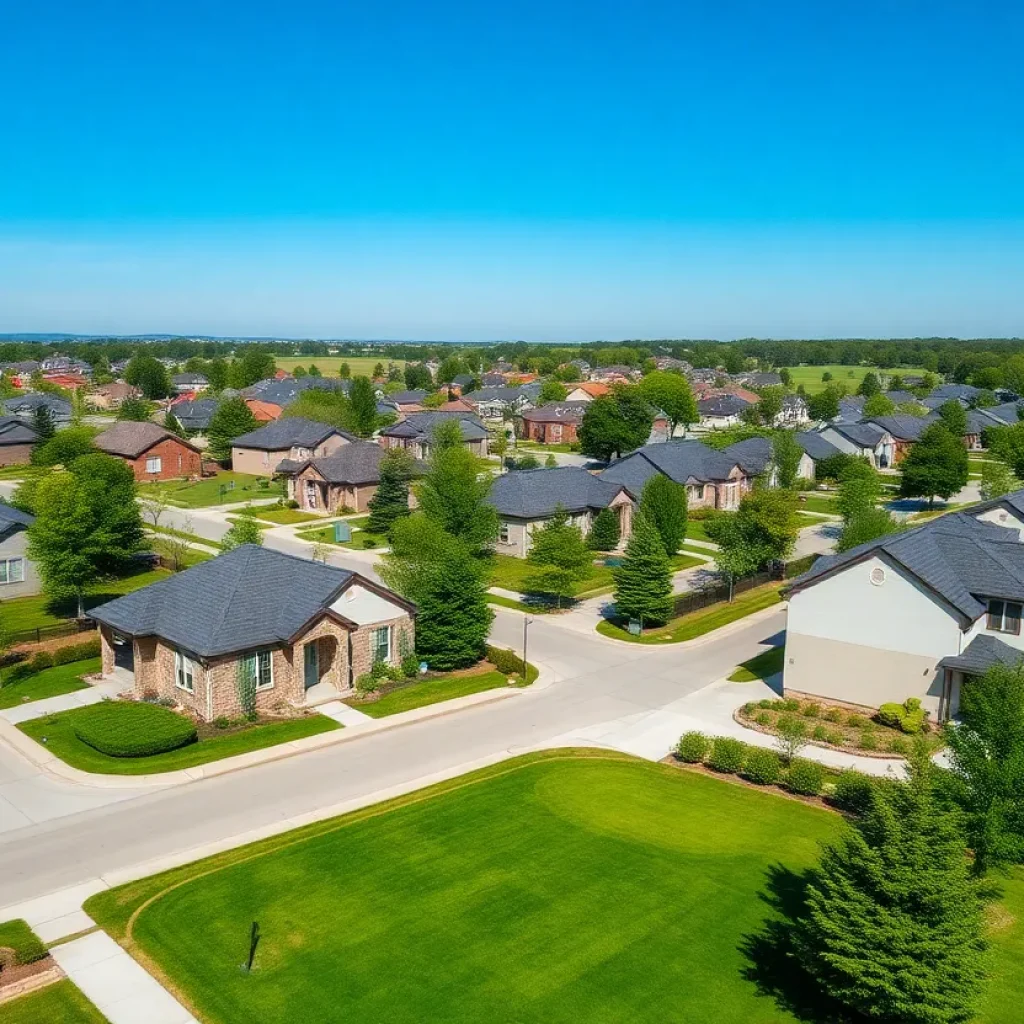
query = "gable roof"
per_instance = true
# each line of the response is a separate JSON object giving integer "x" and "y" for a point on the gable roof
{"x": 414, "y": 397}
{"x": 865, "y": 435}
{"x": 284, "y": 391}
{"x": 536, "y": 493}
{"x": 957, "y": 556}
{"x": 556, "y": 412}
{"x": 815, "y": 445}
{"x": 902, "y": 427}
{"x": 195, "y": 415}
{"x": 421, "y": 425}
{"x": 851, "y": 408}
{"x": 130, "y": 439}
{"x": 15, "y": 430}
{"x": 246, "y": 598}
{"x": 498, "y": 394}
{"x": 681, "y": 461}
{"x": 594, "y": 388}
{"x": 722, "y": 405}
{"x": 753, "y": 454}
{"x": 355, "y": 463}
{"x": 27, "y": 404}
{"x": 13, "y": 520}
{"x": 289, "y": 432}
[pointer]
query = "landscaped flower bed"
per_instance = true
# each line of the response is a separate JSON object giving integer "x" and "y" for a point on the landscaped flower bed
{"x": 844, "y": 728}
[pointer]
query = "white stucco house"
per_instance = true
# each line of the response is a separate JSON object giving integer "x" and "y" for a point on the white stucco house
{"x": 867, "y": 440}
{"x": 914, "y": 614}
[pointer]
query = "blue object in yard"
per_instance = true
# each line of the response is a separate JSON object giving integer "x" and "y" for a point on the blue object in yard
{"x": 342, "y": 532}
{"x": 613, "y": 561}
{"x": 423, "y": 667}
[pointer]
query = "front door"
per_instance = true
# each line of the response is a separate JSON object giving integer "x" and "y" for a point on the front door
{"x": 312, "y": 664}
{"x": 311, "y": 490}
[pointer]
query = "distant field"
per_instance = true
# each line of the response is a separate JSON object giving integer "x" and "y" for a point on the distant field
{"x": 810, "y": 376}
{"x": 361, "y": 366}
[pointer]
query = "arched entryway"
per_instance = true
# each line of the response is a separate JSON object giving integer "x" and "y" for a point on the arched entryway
{"x": 320, "y": 663}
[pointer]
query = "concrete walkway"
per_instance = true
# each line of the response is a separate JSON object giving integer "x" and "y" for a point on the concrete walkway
{"x": 115, "y": 984}
{"x": 64, "y": 702}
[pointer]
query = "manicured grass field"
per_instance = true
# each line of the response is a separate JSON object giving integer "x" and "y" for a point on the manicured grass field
{"x": 193, "y": 556}
{"x": 430, "y": 691}
{"x": 695, "y": 530}
{"x": 206, "y": 492}
{"x": 61, "y": 740}
{"x": 51, "y": 682}
{"x": 551, "y": 890}
{"x": 59, "y": 1003}
{"x": 285, "y": 516}
{"x": 26, "y": 944}
{"x": 851, "y": 376}
{"x": 24, "y": 613}
{"x": 818, "y": 503}
{"x": 695, "y": 624}
{"x": 761, "y": 666}
{"x": 325, "y": 535}
{"x": 361, "y": 366}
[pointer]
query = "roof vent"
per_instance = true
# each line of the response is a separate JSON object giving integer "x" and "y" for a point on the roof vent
{"x": 877, "y": 576}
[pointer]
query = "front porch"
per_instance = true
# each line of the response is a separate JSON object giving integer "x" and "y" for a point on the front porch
{"x": 324, "y": 670}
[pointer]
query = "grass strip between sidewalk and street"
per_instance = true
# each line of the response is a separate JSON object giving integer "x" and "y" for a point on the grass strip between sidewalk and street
{"x": 694, "y": 624}
{"x": 429, "y": 691}
{"x": 761, "y": 666}
{"x": 51, "y": 682}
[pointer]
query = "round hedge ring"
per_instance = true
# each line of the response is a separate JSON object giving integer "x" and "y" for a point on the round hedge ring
{"x": 131, "y": 729}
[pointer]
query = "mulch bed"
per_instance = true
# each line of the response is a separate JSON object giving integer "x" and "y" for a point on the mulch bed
{"x": 12, "y": 974}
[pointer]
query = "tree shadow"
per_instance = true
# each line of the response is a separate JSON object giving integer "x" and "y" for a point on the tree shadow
{"x": 771, "y": 960}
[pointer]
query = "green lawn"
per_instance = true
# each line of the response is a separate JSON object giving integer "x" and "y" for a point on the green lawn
{"x": 761, "y": 666}
{"x": 59, "y": 1003}
{"x": 851, "y": 376}
{"x": 51, "y": 682}
{"x": 695, "y": 530}
{"x": 193, "y": 556}
{"x": 361, "y": 366}
{"x": 817, "y": 503}
{"x": 27, "y": 946}
{"x": 697, "y": 624}
{"x": 285, "y": 516}
{"x": 23, "y": 613}
{"x": 325, "y": 535}
{"x": 430, "y": 691}
{"x": 535, "y": 447}
{"x": 203, "y": 493}
{"x": 61, "y": 740}
{"x": 550, "y": 890}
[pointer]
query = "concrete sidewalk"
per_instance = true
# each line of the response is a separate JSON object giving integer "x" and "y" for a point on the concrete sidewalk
{"x": 65, "y": 702}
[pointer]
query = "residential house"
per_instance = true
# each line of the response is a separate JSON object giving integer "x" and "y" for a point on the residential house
{"x": 758, "y": 379}
{"x": 184, "y": 383}
{"x": 554, "y": 423}
{"x": 980, "y": 420}
{"x": 493, "y": 403}
{"x": 754, "y": 456}
{"x": 904, "y": 431}
{"x": 712, "y": 479}
{"x": 345, "y": 480}
{"x": 492, "y": 380}
{"x": 851, "y": 409}
{"x": 292, "y": 438}
{"x": 153, "y": 452}
{"x": 861, "y": 439}
{"x": 616, "y": 374}
{"x": 587, "y": 391}
{"x": 460, "y": 383}
{"x": 415, "y": 432}
{"x": 252, "y": 618}
{"x": 24, "y": 407}
{"x": 816, "y": 448}
{"x": 195, "y": 415}
{"x": 704, "y": 375}
{"x": 794, "y": 411}
{"x": 527, "y": 499}
{"x": 108, "y": 397}
{"x": 263, "y": 412}
{"x": 914, "y": 614}
{"x": 17, "y": 439}
{"x": 18, "y": 574}
{"x": 281, "y": 392}
{"x": 671, "y": 363}
{"x": 902, "y": 397}
{"x": 721, "y": 411}
{"x": 962, "y": 393}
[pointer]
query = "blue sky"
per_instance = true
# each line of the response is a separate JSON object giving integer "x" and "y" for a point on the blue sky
{"x": 555, "y": 170}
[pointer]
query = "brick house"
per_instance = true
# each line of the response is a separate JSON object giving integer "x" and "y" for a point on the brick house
{"x": 17, "y": 439}
{"x": 153, "y": 452}
{"x": 252, "y": 617}
{"x": 346, "y": 479}
{"x": 556, "y": 423}
{"x": 292, "y": 438}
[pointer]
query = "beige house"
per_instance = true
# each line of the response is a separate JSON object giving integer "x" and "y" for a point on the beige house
{"x": 415, "y": 432}
{"x": 110, "y": 396}
{"x": 913, "y": 614}
{"x": 252, "y": 625}
{"x": 289, "y": 439}
{"x": 18, "y": 574}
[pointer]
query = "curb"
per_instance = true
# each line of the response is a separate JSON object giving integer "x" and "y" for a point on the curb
{"x": 714, "y": 634}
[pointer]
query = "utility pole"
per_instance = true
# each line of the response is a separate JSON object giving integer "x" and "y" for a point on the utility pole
{"x": 526, "y": 624}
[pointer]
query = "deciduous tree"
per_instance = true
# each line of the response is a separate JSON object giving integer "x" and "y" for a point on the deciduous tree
{"x": 670, "y": 392}
{"x": 954, "y": 416}
{"x": 996, "y": 480}
{"x": 136, "y": 409}
{"x": 149, "y": 375}
{"x": 551, "y": 391}
{"x": 562, "y": 559}
{"x": 762, "y": 530}
{"x": 786, "y": 456}
{"x": 244, "y": 530}
{"x": 936, "y": 464}
{"x": 615, "y": 423}
{"x": 879, "y": 404}
{"x": 364, "y": 407}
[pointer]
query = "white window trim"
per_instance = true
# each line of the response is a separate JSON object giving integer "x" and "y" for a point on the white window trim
{"x": 386, "y": 660}
{"x": 6, "y": 572}
{"x": 254, "y": 657}
{"x": 154, "y": 464}
{"x": 504, "y": 533}
{"x": 184, "y": 669}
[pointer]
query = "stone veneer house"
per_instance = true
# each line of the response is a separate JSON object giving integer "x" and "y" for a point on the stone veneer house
{"x": 252, "y": 616}
{"x": 346, "y": 479}
{"x": 912, "y": 614}
{"x": 416, "y": 430}
{"x": 291, "y": 438}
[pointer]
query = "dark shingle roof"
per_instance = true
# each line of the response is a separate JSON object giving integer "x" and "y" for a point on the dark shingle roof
{"x": 851, "y": 408}
{"x": 27, "y": 404}
{"x": 981, "y": 654}
{"x": 681, "y": 461}
{"x": 249, "y": 597}
{"x": 722, "y": 405}
{"x": 535, "y": 493}
{"x": 130, "y": 439}
{"x": 189, "y": 378}
{"x": 815, "y": 445}
{"x": 408, "y": 397}
{"x": 556, "y": 412}
{"x": 902, "y": 427}
{"x": 421, "y": 424}
{"x": 283, "y": 392}
{"x": 499, "y": 394}
{"x": 14, "y": 430}
{"x": 863, "y": 434}
{"x": 355, "y": 463}
{"x": 13, "y": 519}
{"x": 288, "y": 432}
{"x": 195, "y": 415}
{"x": 753, "y": 454}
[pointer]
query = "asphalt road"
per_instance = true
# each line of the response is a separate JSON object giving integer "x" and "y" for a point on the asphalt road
{"x": 598, "y": 681}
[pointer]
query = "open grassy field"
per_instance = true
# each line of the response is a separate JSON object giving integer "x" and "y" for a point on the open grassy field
{"x": 851, "y": 376}
{"x": 222, "y": 489}
{"x": 51, "y": 682}
{"x": 361, "y": 366}
{"x": 60, "y": 1003}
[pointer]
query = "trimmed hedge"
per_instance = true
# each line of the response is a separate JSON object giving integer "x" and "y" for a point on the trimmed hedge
{"x": 506, "y": 662}
{"x": 693, "y": 747}
{"x": 132, "y": 729}
{"x": 762, "y": 766}
{"x": 805, "y": 777}
{"x": 727, "y": 755}
{"x": 42, "y": 660}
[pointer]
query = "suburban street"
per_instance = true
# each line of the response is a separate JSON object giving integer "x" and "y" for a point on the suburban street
{"x": 598, "y": 682}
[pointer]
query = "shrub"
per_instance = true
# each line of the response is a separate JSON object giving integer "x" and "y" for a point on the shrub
{"x": 805, "y": 777}
{"x": 367, "y": 683}
{"x": 727, "y": 755}
{"x": 379, "y": 670}
{"x": 692, "y": 747}
{"x": 789, "y": 704}
{"x": 369, "y": 542}
{"x": 507, "y": 662}
{"x": 291, "y": 503}
{"x": 410, "y": 666}
{"x": 770, "y": 702}
{"x": 811, "y": 710}
{"x": 836, "y": 738}
{"x": 853, "y": 791}
{"x": 77, "y": 652}
{"x": 891, "y": 715}
{"x": 750, "y": 707}
{"x": 42, "y": 660}
{"x": 868, "y": 740}
{"x": 821, "y": 734}
{"x": 834, "y": 715}
{"x": 222, "y": 722}
{"x": 792, "y": 735}
{"x": 762, "y": 766}
{"x": 855, "y": 721}
{"x": 132, "y": 729}
{"x": 908, "y": 717}
{"x": 763, "y": 718}
{"x": 899, "y": 745}
{"x": 395, "y": 673}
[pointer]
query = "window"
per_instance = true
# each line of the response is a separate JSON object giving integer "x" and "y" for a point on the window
{"x": 1004, "y": 616}
{"x": 184, "y": 672}
{"x": 154, "y": 464}
{"x": 503, "y": 535}
{"x": 380, "y": 644}
{"x": 12, "y": 570}
{"x": 259, "y": 664}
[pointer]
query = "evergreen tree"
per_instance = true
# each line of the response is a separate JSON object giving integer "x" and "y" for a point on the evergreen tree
{"x": 561, "y": 556}
{"x": 364, "y": 406}
{"x": 231, "y": 419}
{"x": 391, "y": 499}
{"x": 893, "y": 923}
{"x": 136, "y": 409}
{"x": 664, "y": 503}
{"x": 345, "y": 371}
{"x": 604, "y": 531}
{"x": 314, "y": 370}
{"x": 869, "y": 385}
{"x": 42, "y": 423}
{"x": 378, "y": 372}
{"x": 936, "y": 464}
{"x": 643, "y": 583}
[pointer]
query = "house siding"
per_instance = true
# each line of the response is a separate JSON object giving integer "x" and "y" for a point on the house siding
{"x": 16, "y": 546}
{"x": 15, "y": 454}
{"x": 260, "y": 462}
{"x": 176, "y": 460}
